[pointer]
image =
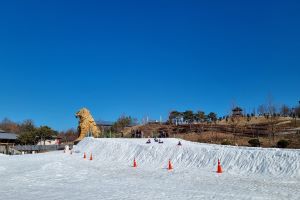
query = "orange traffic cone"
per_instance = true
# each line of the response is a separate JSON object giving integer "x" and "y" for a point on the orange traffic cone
{"x": 84, "y": 155}
{"x": 219, "y": 170}
{"x": 170, "y": 167}
{"x": 134, "y": 163}
{"x": 91, "y": 157}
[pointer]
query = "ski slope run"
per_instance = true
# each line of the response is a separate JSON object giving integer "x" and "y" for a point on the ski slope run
{"x": 234, "y": 160}
{"x": 249, "y": 173}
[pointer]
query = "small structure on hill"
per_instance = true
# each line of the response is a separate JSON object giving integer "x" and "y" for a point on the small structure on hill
{"x": 237, "y": 112}
{"x": 87, "y": 125}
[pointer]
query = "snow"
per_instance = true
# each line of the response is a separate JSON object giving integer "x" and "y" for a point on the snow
{"x": 249, "y": 173}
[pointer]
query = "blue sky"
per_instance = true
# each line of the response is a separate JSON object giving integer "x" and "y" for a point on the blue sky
{"x": 145, "y": 58}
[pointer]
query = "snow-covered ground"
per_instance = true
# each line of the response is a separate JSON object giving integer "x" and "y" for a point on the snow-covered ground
{"x": 249, "y": 173}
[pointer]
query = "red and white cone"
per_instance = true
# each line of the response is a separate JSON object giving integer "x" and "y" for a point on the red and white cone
{"x": 170, "y": 167}
{"x": 219, "y": 170}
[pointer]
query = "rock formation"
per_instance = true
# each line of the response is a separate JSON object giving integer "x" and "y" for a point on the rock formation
{"x": 86, "y": 124}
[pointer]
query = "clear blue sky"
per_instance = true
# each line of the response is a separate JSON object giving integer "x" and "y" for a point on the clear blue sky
{"x": 145, "y": 57}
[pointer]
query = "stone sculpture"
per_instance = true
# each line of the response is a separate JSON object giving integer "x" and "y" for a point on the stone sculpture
{"x": 86, "y": 124}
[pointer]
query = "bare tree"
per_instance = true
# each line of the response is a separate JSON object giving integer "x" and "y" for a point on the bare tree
{"x": 285, "y": 110}
{"x": 9, "y": 126}
{"x": 234, "y": 122}
{"x": 297, "y": 110}
{"x": 272, "y": 117}
{"x": 261, "y": 110}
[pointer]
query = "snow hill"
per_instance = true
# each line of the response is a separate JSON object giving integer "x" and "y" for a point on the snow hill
{"x": 249, "y": 173}
{"x": 234, "y": 160}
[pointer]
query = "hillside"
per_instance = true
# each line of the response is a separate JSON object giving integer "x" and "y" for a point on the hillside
{"x": 238, "y": 132}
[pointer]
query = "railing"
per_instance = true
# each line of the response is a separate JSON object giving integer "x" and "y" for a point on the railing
{"x": 39, "y": 147}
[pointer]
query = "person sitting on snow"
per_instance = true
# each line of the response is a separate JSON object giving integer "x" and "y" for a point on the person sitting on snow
{"x": 160, "y": 141}
{"x": 179, "y": 143}
{"x": 148, "y": 142}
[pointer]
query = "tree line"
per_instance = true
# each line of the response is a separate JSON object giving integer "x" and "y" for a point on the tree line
{"x": 282, "y": 111}
{"x": 29, "y": 134}
{"x": 268, "y": 110}
{"x": 188, "y": 117}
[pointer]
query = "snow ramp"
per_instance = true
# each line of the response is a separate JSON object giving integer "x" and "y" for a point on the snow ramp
{"x": 191, "y": 155}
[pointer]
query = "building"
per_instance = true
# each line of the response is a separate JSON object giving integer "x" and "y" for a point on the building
{"x": 237, "y": 112}
{"x": 55, "y": 140}
{"x": 105, "y": 126}
{"x": 6, "y": 137}
{"x": 7, "y": 140}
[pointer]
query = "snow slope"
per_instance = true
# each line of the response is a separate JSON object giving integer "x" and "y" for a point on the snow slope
{"x": 250, "y": 173}
{"x": 235, "y": 160}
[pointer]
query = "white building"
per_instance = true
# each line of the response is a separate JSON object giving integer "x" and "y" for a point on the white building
{"x": 53, "y": 141}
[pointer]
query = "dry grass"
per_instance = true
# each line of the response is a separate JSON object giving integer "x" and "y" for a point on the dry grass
{"x": 219, "y": 138}
{"x": 256, "y": 120}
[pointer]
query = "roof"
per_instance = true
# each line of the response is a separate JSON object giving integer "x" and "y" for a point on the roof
{"x": 105, "y": 123}
{"x": 8, "y": 136}
{"x": 237, "y": 109}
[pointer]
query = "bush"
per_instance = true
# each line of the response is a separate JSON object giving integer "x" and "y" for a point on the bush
{"x": 283, "y": 144}
{"x": 254, "y": 142}
{"x": 226, "y": 142}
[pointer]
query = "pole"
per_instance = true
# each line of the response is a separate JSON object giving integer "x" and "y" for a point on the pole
{"x": 294, "y": 109}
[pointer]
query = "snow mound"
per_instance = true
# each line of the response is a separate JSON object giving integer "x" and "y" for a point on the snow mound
{"x": 234, "y": 160}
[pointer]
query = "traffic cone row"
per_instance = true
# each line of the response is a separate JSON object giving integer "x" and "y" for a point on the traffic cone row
{"x": 170, "y": 166}
{"x": 84, "y": 156}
